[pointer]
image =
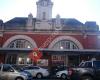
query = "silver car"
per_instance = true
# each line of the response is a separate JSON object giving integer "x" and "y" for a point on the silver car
{"x": 8, "y": 72}
{"x": 62, "y": 74}
{"x": 37, "y": 71}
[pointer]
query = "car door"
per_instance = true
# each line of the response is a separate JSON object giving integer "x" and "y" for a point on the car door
{"x": 3, "y": 74}
{"x": 30, "y": 70}
{"x": 35, "y": 70}
{"x": 7, "y": 73}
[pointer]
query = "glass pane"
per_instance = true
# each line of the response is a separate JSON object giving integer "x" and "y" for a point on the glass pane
{"x": 7, "y": 68}
{"x": 65, "y": 44}
{"x": 20, "y": 43}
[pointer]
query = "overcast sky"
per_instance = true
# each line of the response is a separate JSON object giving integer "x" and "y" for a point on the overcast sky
{"x": 83, "y": 10}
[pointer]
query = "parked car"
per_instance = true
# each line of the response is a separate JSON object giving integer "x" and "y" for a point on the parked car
{"x": 60, "y": 72}
{"x": 55, "y": 69}
{"x": 9, "y": 72}
{"x": 87, "y": 70}
{"x": 37, "y": 71}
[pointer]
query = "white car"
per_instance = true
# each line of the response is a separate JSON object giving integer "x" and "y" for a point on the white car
{"x": 62, "y": 74}
{"x": 36, "y": 71}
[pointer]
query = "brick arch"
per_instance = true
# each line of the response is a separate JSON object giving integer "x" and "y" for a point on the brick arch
{"x": 20, "y": 37}
{"x": 66, "y": 38}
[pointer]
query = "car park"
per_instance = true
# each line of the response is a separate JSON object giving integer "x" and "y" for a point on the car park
{"x": 9, "y": 72}
{"x": 37, "y": 71}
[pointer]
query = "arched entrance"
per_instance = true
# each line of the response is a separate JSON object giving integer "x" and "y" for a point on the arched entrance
{"x": 19, "y": 42}
{"x": 65, "y": 43}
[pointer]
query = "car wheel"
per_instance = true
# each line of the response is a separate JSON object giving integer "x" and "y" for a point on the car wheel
{"x": 63, "y": 76}
{"x": 39, "y": 76}
{"x": 19, "y": 78}
{"x": 86, "y": 78}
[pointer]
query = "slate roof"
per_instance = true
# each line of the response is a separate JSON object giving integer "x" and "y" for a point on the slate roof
{"x": 15, "y": 23}
{"x": 20, "y": 23}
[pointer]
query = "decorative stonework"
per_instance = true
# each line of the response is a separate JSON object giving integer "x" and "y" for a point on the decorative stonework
{"x": 29, "y": 24}
{"x": 58, "y": 23}
{"x": 66, "y": 38}
{"x": 20, "y": 37}
{"x": 44, "y": 25}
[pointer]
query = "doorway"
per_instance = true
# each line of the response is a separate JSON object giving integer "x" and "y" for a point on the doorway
{"x": 11, "y": 59}
{"x": 73, "y": 60}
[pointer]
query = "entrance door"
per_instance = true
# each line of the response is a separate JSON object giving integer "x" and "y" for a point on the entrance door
{"x": 58, "y": 60}
{"x": 11, "y": 59}
{"x": 73, "y": 60}
{"x": 2, "y": 58}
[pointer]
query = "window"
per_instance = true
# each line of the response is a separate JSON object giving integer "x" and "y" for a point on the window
{"x": 44, "y": 15}
{"x": 7, "y": 68}
{"x": 88, "y": 64}
{"x": 31, "y": 67}
{"x": 81, "y": 64}
{"x": 35, "y": 67}
{"x": 58, "y": 58}
{"x": 11, "y": 59}
{"x": 65, "y": 44}
{"x": 24, "y": 59}
{"x": 20, "y": 43}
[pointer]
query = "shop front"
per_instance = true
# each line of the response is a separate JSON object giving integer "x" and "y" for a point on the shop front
{"x": 49, "y": 57}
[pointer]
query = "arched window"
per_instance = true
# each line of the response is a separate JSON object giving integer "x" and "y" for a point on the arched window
{"x": 65, "y": 44}
{"x": 20, "y": 43}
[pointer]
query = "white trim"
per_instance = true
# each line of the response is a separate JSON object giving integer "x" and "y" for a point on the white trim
{"x": 66, "y": 38}
{"x": 20, "y": 37}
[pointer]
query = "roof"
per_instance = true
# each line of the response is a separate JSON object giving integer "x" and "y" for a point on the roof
{"x": 19, "y": 23}
{"x": 15, "y": 23}
{"x": 72, "y": 22}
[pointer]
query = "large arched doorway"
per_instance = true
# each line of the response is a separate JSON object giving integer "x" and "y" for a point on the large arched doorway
{"x": 19, "y": 42}
{"x": 21, "y": 57}
{"x": 65, "y": 43}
